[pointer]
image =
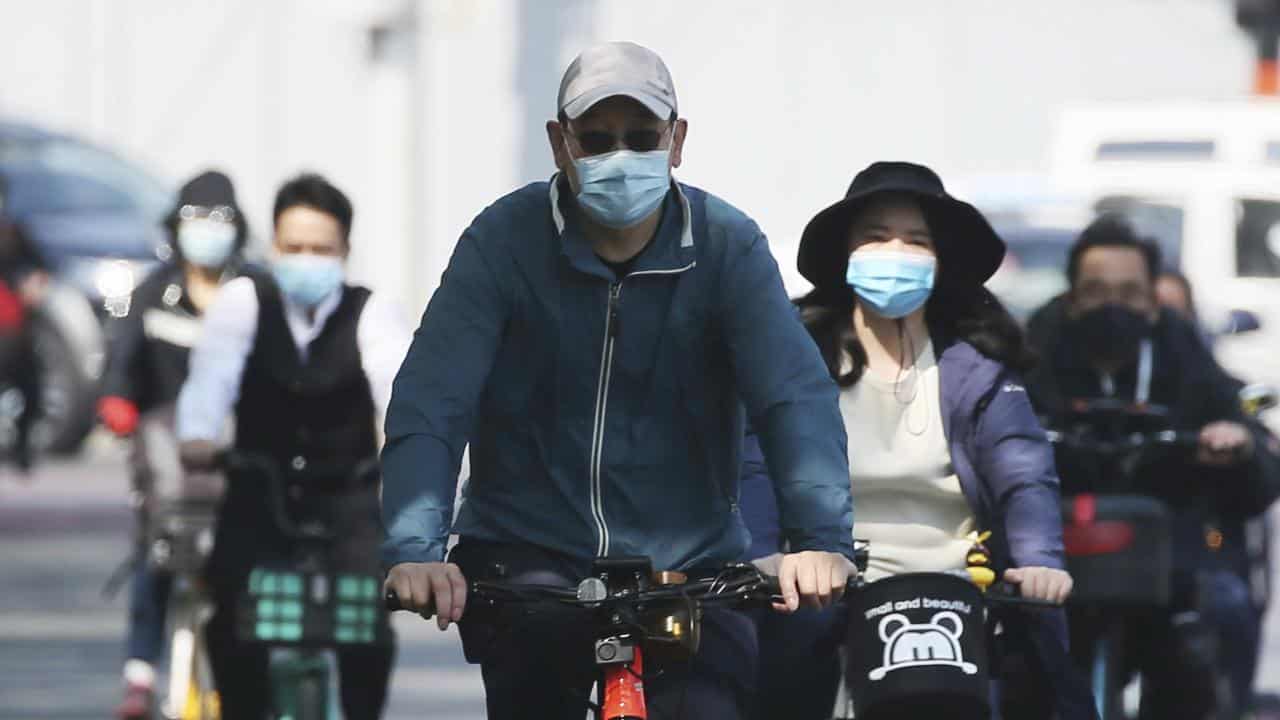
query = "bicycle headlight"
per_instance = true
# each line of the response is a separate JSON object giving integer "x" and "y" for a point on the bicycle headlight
{"x": 115, "y": 279}
{"x": 673, "y": 629}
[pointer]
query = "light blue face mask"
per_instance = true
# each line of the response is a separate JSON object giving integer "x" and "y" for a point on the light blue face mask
{"x": 892, "y": 284}
{"x": 207, "y": 243}
{"x": 621, "y": 188}
{"x": 307, "y": 279}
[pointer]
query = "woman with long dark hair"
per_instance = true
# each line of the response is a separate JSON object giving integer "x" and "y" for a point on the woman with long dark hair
{"x": 942, "y": 437}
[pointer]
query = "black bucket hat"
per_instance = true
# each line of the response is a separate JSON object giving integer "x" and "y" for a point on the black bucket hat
{"x": 969, "y": 250}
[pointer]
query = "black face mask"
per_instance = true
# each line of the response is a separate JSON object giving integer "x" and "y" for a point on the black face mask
{"x": 1110, "y": 334}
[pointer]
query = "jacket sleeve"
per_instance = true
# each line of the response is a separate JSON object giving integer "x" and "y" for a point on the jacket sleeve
{"x": 1015, "y": 461}
{"x": 120, "y": 377}
{"x": 1248, "y": 489}
{"x": 125, "y": 374}
{"x": 790, "y": 400}
{"x": 756, "y": 498}
{"x": 433, "y": 403}
{"x": 1263, "y": 485}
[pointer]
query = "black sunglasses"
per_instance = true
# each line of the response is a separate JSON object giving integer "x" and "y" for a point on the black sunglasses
{"x": 598, "y": 142}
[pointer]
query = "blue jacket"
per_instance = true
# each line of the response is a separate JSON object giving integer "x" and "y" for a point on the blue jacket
{"x": 1005, "y": 465}
{"x": 605, "y": 415}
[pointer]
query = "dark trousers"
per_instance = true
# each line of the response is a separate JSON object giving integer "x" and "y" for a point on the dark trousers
{"x": 1182, "y": 654}
{"x": 799, "y": 663}
{"x": 539, "y": 664}
{"x": 19, "y": 366}
{"x": 1175, "y": 653}
{"x": 1230, "y": 611}
{"x": 240, "y": 671}
{"x": 148, "y": 605}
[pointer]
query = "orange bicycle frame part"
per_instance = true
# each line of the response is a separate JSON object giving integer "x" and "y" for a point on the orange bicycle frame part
{"x": 624, "y": 691}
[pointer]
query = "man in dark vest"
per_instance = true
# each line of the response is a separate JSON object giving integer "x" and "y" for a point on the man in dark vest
{"x": 303, "y": 363}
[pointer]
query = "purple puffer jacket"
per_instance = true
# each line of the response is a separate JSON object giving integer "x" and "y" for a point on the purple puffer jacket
{"x": 1005, "y": 465}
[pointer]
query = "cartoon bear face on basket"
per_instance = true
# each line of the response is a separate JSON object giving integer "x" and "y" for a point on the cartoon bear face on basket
{"x": 936, "y": 642}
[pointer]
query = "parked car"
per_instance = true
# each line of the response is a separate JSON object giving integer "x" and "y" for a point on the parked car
{"x": 94, "y": 219}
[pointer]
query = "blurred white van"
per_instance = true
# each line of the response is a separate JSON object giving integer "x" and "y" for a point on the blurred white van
{"x": 1203, "y": 179}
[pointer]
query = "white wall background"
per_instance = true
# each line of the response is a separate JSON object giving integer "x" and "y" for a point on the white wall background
{"x": 444, "y": 112}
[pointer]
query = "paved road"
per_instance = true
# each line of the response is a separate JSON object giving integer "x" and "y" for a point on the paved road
{"x": 62, "y": 534}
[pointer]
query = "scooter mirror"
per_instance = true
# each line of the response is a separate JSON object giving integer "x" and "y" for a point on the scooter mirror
{"x": 1240, "y": 322}
{"x": 1258, "y": 398}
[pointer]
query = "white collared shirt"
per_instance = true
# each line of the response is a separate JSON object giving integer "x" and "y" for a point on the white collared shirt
{"x": 227, "y": 336}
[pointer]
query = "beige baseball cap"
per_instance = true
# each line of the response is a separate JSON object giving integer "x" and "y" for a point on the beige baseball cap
{"x": 617, "y": 68}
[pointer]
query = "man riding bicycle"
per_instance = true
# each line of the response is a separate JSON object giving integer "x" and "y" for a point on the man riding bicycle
{"x": 595, "y": 340}
{"x": 304, "y": 363}
{"x": 1108, "y": 338}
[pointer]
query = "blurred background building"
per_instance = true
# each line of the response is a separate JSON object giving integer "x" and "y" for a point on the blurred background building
{"x": 427, "y": 110}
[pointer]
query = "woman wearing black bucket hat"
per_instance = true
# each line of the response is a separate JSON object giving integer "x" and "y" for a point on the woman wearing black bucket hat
{"x": 942, "y": 438}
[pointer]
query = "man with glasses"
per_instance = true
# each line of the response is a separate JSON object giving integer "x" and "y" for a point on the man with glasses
{"x": 1107, "y": 337}
{"x": 146, "y": 366}
{"x": 595, "y": 340}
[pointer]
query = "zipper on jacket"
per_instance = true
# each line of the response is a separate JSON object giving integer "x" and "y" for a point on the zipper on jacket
{"x": 597, "y": 432}
{"x": 611, "y": 325}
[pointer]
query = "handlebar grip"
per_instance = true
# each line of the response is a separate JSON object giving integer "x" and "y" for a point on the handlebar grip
{"x": 1022, "y": 601}
{"x": 769, "y": 584}
{"x": 391, "y": 601}
{"x": 1003, "y": 593}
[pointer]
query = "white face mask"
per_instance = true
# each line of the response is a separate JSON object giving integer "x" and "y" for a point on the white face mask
{"x": 206, "y": 242}
{"x": 308, "y": 279}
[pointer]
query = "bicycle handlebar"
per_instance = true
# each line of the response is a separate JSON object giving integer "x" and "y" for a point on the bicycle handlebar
{"x": 1126, "y": 443}
{"x": 736, "y": 584}
{"x": 753, "y": 589}
{"x": 268, "y": 468}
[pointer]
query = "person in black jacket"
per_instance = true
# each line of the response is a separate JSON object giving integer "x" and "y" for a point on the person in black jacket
{"x": 1242, "y": 632}
{"x": 146, "y": 366}
{"x": 24, "y": 279}
{"x": 1107, "y": 337}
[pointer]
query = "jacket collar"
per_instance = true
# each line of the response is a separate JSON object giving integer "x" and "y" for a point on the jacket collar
{"x": 671, "y": 250}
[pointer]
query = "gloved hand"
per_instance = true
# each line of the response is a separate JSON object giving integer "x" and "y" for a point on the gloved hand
{"x": 118, "y": 414}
